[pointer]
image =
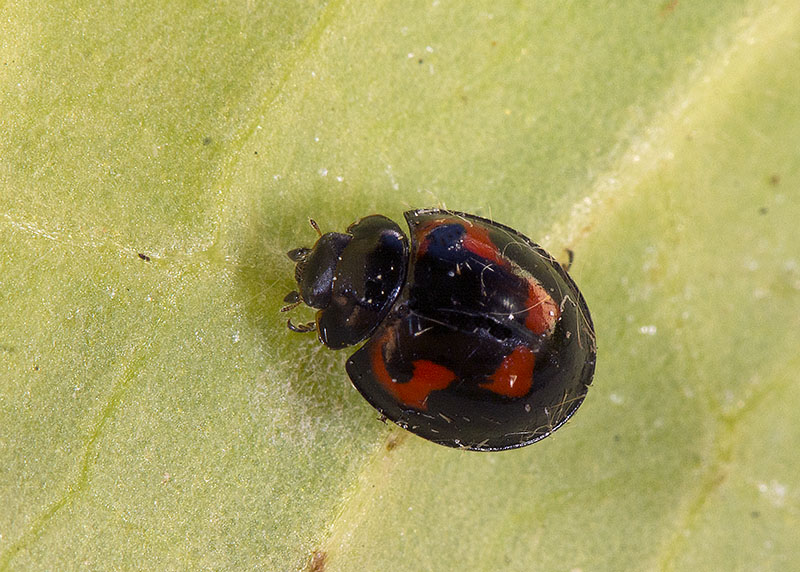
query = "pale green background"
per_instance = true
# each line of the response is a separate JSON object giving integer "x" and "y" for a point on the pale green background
{"x": 157, "y": 415}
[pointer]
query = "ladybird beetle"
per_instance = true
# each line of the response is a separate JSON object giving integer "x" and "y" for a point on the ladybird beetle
{"x": 475, "y": 336}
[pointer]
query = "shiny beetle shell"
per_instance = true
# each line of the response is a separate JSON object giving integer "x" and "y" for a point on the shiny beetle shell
{"x": 475, "y": 336}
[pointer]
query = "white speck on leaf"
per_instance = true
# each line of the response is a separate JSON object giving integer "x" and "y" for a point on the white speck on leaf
{"x": 774, "y": 491}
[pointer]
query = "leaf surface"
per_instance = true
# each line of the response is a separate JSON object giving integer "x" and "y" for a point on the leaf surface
{"x": 156, "y": 163}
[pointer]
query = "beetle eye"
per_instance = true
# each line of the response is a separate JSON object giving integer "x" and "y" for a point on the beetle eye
{"x": 298, "y": 254}
{"x": 292, "y": 297}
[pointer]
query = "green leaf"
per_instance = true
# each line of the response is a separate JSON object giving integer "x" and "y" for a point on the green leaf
{"x": 157, "y": 161}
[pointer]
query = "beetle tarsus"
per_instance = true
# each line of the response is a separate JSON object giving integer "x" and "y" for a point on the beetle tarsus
{"x": 301, "y": 328}
{"x": 292, "y": 300}
{"x": 570, "y": 258}
{"x": 298, "y": 254}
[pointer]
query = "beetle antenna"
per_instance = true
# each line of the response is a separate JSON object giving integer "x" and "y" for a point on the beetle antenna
{"x": 290, "y": 307}
{"x": 315, "y": 226}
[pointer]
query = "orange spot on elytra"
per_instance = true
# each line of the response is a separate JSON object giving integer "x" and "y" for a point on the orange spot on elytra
{"x": 422, "y": 234}
{"x": 428, "y": 377}
{"x": 543, "y": 312}
{"x": 379, "y": 364}
{"x": 477, "y": 241}
{"x": 514, "y": 376}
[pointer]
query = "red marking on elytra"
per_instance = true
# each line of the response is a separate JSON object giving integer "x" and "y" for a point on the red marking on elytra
{"x": 428, "y": 377}
{"x": 477, "y": 241}
{"x": 514, "y": 376}
{"x": 422, "y": 235}
{"x": 543, "y": 312}
{"x": 379, "y": 363}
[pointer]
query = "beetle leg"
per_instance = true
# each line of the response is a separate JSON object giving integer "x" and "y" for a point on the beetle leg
{"x": 298, "y": 254}
{"x": 292, "y": 300}
{"x": 301, "y": 328}
{"x": 570, "y": 257}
